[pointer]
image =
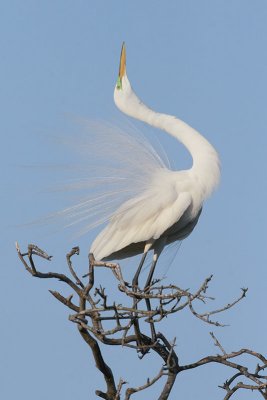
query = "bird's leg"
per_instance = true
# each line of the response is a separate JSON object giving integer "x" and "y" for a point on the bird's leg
{"x": 134, "y": 286}
{"x": 158, "y": 247}
{"x": 136, "y": 276}
{"x": 139, "y": 343}
{"x": 148, "y": 246}
{"x": 151, "y": 273}
{"x": 157, "y": 251}
{"x": 152, "y": 326}
{"x": 146, "y": 289}
{"x": 137, "y": 332}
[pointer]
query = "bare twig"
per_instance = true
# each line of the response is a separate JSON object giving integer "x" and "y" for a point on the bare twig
{"x": 124, "y": 328}
{"x": 217, "y": 343}
{"x": 148, "y": 383}
{"x": 74, "y": 250}
{"x": 121, "y": 383}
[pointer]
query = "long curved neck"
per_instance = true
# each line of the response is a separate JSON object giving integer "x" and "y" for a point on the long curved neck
{"x": 206, "y": 164}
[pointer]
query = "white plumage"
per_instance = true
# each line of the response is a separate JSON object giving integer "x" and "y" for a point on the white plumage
{"x": 166, "y": 207}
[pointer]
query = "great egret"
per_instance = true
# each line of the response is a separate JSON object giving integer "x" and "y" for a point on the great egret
{"x": 168, "y": 208}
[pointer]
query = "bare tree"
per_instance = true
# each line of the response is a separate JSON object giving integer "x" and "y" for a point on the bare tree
{"x": 122, "y": 324}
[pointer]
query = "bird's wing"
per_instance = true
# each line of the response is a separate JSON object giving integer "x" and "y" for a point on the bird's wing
{"x": 143, "y": 218}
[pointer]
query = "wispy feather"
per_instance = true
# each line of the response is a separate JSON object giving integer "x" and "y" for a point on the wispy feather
{"x": 115, "y": 163}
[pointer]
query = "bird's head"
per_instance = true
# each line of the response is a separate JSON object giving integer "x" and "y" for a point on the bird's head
{"x": 124, "y": 96}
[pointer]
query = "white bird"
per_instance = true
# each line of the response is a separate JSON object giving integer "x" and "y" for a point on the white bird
{"x": 168, "y": 208}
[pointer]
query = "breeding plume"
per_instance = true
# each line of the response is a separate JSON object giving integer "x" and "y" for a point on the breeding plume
{"x": 168, "y": 207}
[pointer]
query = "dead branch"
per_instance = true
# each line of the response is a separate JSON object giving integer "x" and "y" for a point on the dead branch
{"x": 92, "y": 308}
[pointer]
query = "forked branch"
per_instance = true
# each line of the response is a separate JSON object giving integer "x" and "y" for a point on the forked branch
{"x": 92, "y": 309}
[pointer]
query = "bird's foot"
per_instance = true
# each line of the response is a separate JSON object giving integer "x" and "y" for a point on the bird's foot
{"x": 134, "y": 286}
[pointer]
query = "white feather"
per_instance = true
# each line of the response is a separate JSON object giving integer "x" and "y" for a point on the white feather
{"x": 145, "y": 203}
{"x": 116, "y": 163}
{"x": 168, "y": 207}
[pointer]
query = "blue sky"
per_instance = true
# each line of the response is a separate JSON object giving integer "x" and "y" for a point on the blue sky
{"x": 203, "y": 61}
